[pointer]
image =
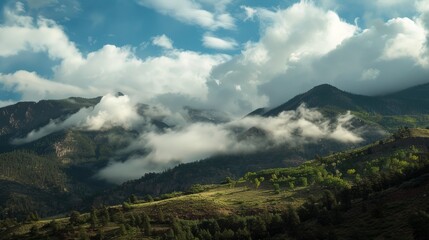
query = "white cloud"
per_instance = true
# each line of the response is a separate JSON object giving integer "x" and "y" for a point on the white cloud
{"x": 163, "y": 41}
{"x": 288, "y": 36}
{"x": 299, "y": 47}
{"x": 201, "y": 140}
{"x": 249, "y": 11}
{"x": 205, "y": 13}
{"x": 370, "y": 74}
{"x": 108, "y": 69}
{"x": 288, "y": 60}
{"x": 211, "y": 41}
{"x": 408, "y": 42}
{"x": 112, "y": 111}
{"x": 19, "y": 33}
{"x": 34, "y": 87}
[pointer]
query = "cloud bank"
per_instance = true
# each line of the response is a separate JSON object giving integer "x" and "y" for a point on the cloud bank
{"x": 305, "y": 45}
{"x": 298, "y": 47}
{"x": 200, "y": 140}
{"x": 112, "y": 111}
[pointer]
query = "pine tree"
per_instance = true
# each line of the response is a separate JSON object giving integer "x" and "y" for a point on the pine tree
{"x": 133, "y": 199}
{"x": 161, "y": 215}
{"x": 292, "y": 219}
{"x": 122, "y": 230}
{"x": 93, "y": 218}
{"x": 146, "y": 224}
{"x": 75, "y": 218}
{"x": 83, "y": 235}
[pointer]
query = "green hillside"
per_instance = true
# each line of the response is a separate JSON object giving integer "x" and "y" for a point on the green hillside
{"x": 56, "y": 173}
{"x": 374, "y": 192}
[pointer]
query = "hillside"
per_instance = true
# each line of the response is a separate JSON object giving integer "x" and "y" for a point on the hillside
{"x": 377, "y": 114}
{"x": 21, "y": 118}
{"x": 374, "y": 192}
{"x": 72, "y": 157}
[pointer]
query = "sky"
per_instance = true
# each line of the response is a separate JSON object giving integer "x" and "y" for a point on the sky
{"x": 224, "y": 55}
{"x": 234, "y": 56}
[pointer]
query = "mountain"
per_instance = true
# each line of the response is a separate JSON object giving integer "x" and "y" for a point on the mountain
{"x": 411, "y": 101}
{"x": 374, "y": 192}
{"x": 19, "y": 119}
{"x": 57, "y": 172}
{"x": 206, "y": 115}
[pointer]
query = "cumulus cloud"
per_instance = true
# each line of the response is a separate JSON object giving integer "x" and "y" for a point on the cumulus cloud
{"x": 23, "y": 33}
{"x": 211, "y": 41}
{"x": 283, "y": 44}
{"x": 205, "y": 13}
{"x": 162, "y": 41}
{"x": 111, "y": 111}
{"x": 200, "y": 140}
{"x": 108, "y": 69}
{"x": 387, "y": 56}
{"x": 285, "y": 61}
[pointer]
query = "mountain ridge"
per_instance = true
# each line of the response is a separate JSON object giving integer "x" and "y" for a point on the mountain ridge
{"x": 92, "y": 150}
{"x": 329, "y": 97}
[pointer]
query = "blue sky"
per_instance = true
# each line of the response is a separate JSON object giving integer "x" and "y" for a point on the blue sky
{"x": 233, "y": 55}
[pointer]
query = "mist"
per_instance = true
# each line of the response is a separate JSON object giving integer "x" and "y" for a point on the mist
{"x": 111, "y": 111}
{"x": 196, "y": 141}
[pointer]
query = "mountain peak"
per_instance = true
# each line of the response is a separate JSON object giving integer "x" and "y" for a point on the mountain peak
{"x": 325, "y": 89}
{"x": 409, "y": 101}
{"x": 324, "y": 95}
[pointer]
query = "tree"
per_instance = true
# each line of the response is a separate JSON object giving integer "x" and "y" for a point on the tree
{"x": 169, "y": 235}
{"x": 93, "y": 218}
{"x": 276, "y": 188}
{"x": 100, "y": 234}
{"x": 54, "y": 226}
{"x": 257, "y": 183}
{"x": 75, "y": 218}
{"x": 34, "y": 231}
{"x": 303, "y": 181}
{"x": 126, "y": 206}
{"x": 196, "y": 188}
{"x": 122, "y": 230}
{"x": 204, "y": 234}
{"x": 292, "y": 220}
{"x": 133, "y": 199}
{"x": 161, "y": 215}
{"x": 351, "y": 171}
{"x": 291, "y": 185}
{"x": 119, "y": 217}
{"x": 105, "y": 216}
{"x": 34, "y": 216}
{"x": 83, "y": 235}
{"x": 146, "y": 224}
{"x": 329, "y": 199}
{"x": 149, "y": 198}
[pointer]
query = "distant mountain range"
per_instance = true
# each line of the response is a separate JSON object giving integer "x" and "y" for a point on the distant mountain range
{"x": 55, "y": 173}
